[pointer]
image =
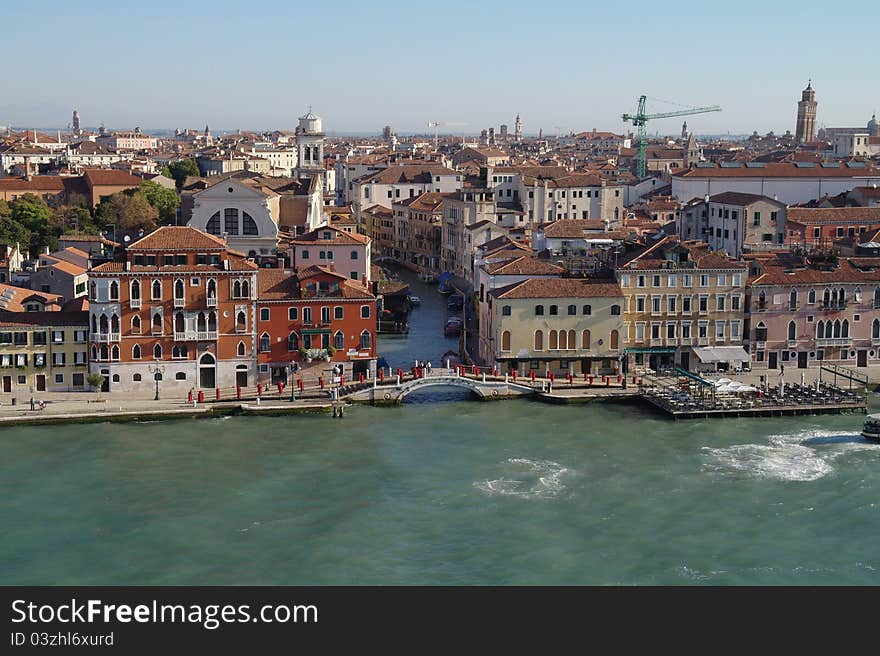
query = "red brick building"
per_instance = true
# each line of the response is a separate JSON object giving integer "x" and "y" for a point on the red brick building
{"x": 818, "y": 227}
{"x": 179, "y": 300}
{"x": 314, "y": 313}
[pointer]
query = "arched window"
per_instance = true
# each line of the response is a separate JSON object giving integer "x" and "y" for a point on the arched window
{"x": 114, "y": 352}
{"x": 563, "y": 340}
{"x": 505, "y": 310}
{"x": 505, "y": 340}
{"x": 135, "y": 290}
{"x": 94, "y": 352}
{"x": 841, "y": 296}
{"x": 213, "y": 225}
{"x": 539, "y": 340}
{"x": 102, "y": 322}
{"x": 338, "y": 340}
{"x": 241, "y": 351}
{"x": 136, "y": 378}
{"x": 180, "y": 376}
{"x": 836, "y": 329}
{"x": 857, "y": 295}
{"x": 811, "y": 296}
{"x": 212, "y": 321}
{"x": 587, "y": 310}
{"x": 201, "y": 322}
{"x": 230, "y": 220}
{"x": 180, "y": 351}
{"x": 94, "y": 324}
{"x": 571, "y": 339}
{"x": 114, "y": 291}
{"x": 877, "y": 297}
{"x": 365, "y": 340}
{"x": 554, "y": 310}
{"x": 136, "y": 352}
{"x": 156, "y": 290}
{"x": 179, "y": 323}
{"x": 293, "y": 342}
{"x": 614, "y": 339}
{"x": 554, "y": 340}
{"x": 820, "y": 330}
{"x": 264, "y": 343}
{"x": 826, "y": 297}
{"x": 875, "y": 329}
{"x": 157, "y": 352}
{"x": 236, "y": 289}
{"x": 241, "y": 321}
{"x": 792, "y": 331}
{"x": 212, "y": 288}
{"x": 615, "y": 310}
{"x": 761, "y": 331}
{"x": 157, "y": 324}
{"x": 94, "y": 294}
{"x": 114, "y": 323}
{"x": 178, "y": 288}
{"x": 572, "y": 309}
{"x": 844, "y": 329}
{"x": 762, "y": 300}
{"x": 248, "y": 225}
{"x": 539, "y": 310}
{"x": 585, "y": 340}
{"x": 105, "y": 353}
{"x": 245, "y": 289}
{"x": 792, "y": 300}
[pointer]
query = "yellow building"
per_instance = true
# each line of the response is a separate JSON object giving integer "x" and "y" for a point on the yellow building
{"x": 559, "y": 325}
{"x": 43, "y": 351}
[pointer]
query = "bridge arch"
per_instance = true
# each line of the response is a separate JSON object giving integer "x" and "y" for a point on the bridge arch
{"x": 419, "y": 384}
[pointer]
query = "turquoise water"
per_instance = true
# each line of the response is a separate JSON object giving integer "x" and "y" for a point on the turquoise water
{"x": 447, "y": 492}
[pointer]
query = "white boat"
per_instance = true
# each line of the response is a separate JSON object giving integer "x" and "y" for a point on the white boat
{"x": 871, "y": 430}
{"x": 415, "y": 300}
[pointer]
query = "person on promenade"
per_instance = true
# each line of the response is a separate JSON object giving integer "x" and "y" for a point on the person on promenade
{"x": 32, "y": 402}
{"x": 428, "y": 367}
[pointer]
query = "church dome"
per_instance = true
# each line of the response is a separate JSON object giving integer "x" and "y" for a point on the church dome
{"x": 873, "y": 126}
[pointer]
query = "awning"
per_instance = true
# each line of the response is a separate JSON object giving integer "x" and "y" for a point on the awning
{"x": 694, "y": 377}
{"x": 650, "y": 349}
{"x": 709, "y": 354}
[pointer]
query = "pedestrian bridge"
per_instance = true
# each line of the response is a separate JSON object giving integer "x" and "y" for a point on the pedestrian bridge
{"x": 389, "y": 392}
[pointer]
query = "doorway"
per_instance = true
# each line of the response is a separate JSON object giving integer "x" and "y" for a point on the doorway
{"x": 686, "y": 361}
{"x": 207, "y": 371}
{"x": 241, "y": 375}
{"x": 802, "y": 359}
{"x": 862, "y": 359}
{"x": 41, "y": 382}
{"x": 7, "y": 383}
{"x": 772, "y": 360}
{"x": 105, "y": 386}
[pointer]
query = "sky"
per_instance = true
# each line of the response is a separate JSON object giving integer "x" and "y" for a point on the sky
{"x": 360, "y": 65}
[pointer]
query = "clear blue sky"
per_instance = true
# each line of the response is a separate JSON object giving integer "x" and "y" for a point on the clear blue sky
{"x": 362, "y": 65}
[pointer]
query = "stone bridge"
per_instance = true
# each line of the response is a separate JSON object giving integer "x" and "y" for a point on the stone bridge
{"x": 389, "y": 392}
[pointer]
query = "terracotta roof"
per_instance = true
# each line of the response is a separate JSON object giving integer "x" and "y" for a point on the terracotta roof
{"x": 784, "y": 269}
{"x": 379, "y": 210}
{"x": 652, "y": 257}
{"x": 524, "y": 265}
{"x": 12, "y": 298}
{"x": 68, "y": 267}
{"x": 818, "y": 215}
{"x": 340, "y": 237}
{"x": 237, "y": 262}
{"x": 178, "y": 238}
{"x": 559, "y": 288}
{"x": 500, "y": 243}
{"x": 280, "y": 285}
{"x": 430, "y": 201}
{"x": 293, "y": 211}
{"x": 37, "y": 319}
{"x": 778, "y": 170}
{"x": 37, "y": 183}
{"x": 741, "y": 199}
{"x": 572, "y": 228}
{"x": 408, "y": 174}
{"x": 110, "y": 177}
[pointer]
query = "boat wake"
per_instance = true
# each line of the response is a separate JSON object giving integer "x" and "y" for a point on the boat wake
{"x": 804, "y": 456}
{"x": 528, "y": 479}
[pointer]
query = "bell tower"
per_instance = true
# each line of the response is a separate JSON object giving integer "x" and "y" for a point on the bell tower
{"x": 805, "y": 130}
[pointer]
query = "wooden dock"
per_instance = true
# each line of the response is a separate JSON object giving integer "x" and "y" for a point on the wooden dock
{"x": 757, "y": 410}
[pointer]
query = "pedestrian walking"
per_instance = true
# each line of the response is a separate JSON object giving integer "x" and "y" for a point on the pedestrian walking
{"x": 429, "y": 367}
{"x": 32, "y": 402}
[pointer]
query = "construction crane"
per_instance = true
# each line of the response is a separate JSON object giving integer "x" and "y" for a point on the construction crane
{"x": 640, "y": 118}
{"x": 436, "y": 125}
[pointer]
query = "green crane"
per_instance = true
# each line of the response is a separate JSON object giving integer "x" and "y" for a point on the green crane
{"x": 640, "y": 119}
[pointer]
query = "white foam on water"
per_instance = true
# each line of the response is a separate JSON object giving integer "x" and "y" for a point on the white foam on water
{"x": 807, "y": 455}
{"x": 528, "y": 479}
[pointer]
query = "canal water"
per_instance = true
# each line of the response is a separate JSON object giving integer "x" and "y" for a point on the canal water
{"x": 442, "y": 490}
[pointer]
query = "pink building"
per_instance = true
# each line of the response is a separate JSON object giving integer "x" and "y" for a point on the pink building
{"x": 803, "y": 312}
{"x": 344, "y": 252}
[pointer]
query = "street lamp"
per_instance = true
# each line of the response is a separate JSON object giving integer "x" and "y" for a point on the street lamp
{"x": 157, "y": 371}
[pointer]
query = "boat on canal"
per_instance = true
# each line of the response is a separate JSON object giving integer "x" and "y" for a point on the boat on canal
{"x": 871, "y": 430}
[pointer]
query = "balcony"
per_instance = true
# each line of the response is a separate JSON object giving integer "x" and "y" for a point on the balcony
{"x": 702, "y": 341}
{"x": 135, "y": 303}
{"x": 104, "y": 338}
{"x": 834, "y": 306}
{"x": 179, "y": 302}
{"x": 685, "y": 341}
{"x": 212, "y": 301}
{"x": 835, "y": 341}
{"x": 195, "y": 336}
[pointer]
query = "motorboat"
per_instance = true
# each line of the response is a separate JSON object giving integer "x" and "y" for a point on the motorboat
{"x": 415, "y": 300}
{"x": 871, "y": 430}
{"x": 453, "y": 327}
